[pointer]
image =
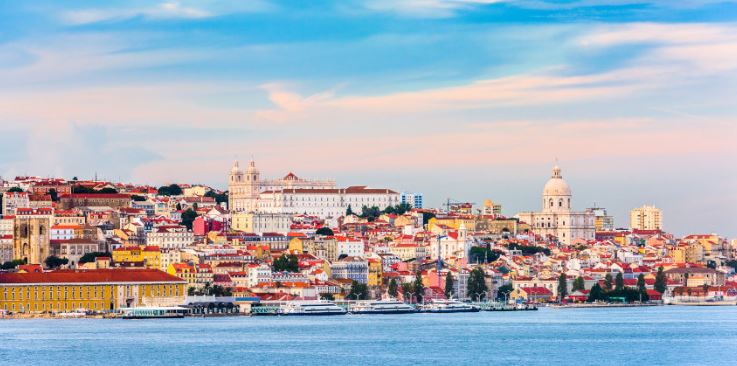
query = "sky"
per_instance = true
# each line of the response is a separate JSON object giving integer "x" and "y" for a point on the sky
{"x": 463, "y": 99}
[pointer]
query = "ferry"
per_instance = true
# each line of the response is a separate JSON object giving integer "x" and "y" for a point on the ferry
{"x": 168, "y": 312}
{"x": 311, "y": 308}
{"x": 389, "y": 306}
{"x": 449, "y": 306}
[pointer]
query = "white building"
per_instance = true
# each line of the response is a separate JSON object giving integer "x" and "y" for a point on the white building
{"x": 292, "y": 195}
{"x": 260, "y": 222}
{"x": 350, "y": 247}
{"x": 556, "y": 218}
{"x": 13, "y": 200}
{"x": 170, "y": 236}
{"x": 6, "y": 238}
{"x": 353, "y": 268}
{"x": 258, "y": 274}
{"x": 415, "y": 200}
{"x": 454, "y": 244}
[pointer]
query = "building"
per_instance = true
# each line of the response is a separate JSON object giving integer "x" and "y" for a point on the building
{"x": 13, "y": 200}
{"x": 114, "y": 200}
{"x": 352, "y": 268}
{"x": 31, "y": 235}
{"x": 646, "y": 218}
{"x": 259, "y": 222}
{"x": 245, "y": 187}
{"x": 101, "y": 290}
{"x": 603, "y": 222}
{"x": 170, "y": 236}
{"x": 695, "y": 276}
{"x": 74, "y": 249}
{"x": 557, "y": 218}
{"x": 6, "y": 238}
{"x": 415, "y": 200}
{"x": 326, "y": 203}
{"x": 492, "y": 208}
{"x": 146, "y": 256}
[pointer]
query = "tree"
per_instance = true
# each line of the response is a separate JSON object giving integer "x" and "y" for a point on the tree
{"x": 608, "y": 281}
{"x": 54, "y": 262}
{"x": 578, "y": 284}
{"x": 449, "y": 285}
{"x": 482, "y": 255}
{"x": 138, "y": 198}
{"x": 191, "y": 291}
{"x": 349, "y": 211}
{"x": 15, "y": 189}
{"x": 596, "y": 293}
{"x": 54, "y": 195}
{"x": 90, "y": 257}
{"x": 619, "y": 282}
{"x": 359, "y": 291}
{"x": 407, "y": 292}
{"x": 219, "y": 197}
{"x": 326, "y": 231}
{"x": 12, "y": 264}
{"x": 477, "y": 284}
{"x": 170, "y": 190}
{"x": 502, "y": 293}
{"x": 108, "y": 190}
{"x": 188, "y": 217}
{"x": 288, "y": 263}
{"x": 562, "y": 287}
{"x": 419, "y": 287}
{"x": 393, "y": 288}
{"x": 641, "y": 287}
{"x": 661, "y": 284}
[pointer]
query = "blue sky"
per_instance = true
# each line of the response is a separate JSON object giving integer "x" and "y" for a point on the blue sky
{"x": 467, "y": 99}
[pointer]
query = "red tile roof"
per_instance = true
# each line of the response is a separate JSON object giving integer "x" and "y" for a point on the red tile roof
{"x": 89, "y": 276}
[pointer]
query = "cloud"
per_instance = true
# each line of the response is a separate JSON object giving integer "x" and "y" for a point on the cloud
{"x": 425, "y": 8}
{"x": 163, "y": 10}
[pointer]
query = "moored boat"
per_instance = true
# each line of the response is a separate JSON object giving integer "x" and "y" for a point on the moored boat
{"x": 165, "y": 312}
{"x": 389, "y": 306}
{"x": 311, "y": 308}
{"x": 449, "y": 306}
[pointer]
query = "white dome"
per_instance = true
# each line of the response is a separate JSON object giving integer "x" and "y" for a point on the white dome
{"x": 556, "y": 186}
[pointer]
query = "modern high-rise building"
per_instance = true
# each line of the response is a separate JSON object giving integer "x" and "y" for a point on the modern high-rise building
{"x": 602, "y": 220}
{"x": 412, "y": 199}
{"x": 646, "y": 218}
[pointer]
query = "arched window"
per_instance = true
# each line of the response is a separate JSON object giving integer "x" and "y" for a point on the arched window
{"x": 551, "y": 203}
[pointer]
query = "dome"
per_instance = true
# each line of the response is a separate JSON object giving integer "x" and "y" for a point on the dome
{"x": 556, "y": 186}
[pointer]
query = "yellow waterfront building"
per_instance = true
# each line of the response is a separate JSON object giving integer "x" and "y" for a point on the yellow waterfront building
{"x": 101, "y": 290}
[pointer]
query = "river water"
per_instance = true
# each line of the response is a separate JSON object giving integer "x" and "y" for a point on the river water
{"x": 615, "y": 336}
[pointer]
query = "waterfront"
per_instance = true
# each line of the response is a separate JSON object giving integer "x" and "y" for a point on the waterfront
{"x": 615, "y": 336}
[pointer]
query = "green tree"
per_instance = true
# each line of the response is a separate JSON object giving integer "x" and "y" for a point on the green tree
{"x": 502, "y": 293}
{"x": 407, "y": 292}
{"x": 641, "y": 288}
{"x": 449, "y": 285}
{"x": 138, "y": 198}
{"x": 477, "y": 284}
{"x": 188, "y": 217}
{"x": 482, "y": 255}
{"x": 15, "y": 189}
{"x": 108, "y": 190}
{"x": 359, "y": 291}
{"x": 596, "y": 293}
{"x": 619, "y": 282}
{"x": 393, "y": 288}
{"x": 219, "y": 197}
{"x": 578, "y": 284}
{"x": 419, "y": 287}
{"x": 326, "y": 231}
{"x": 90, "y": 257}
{"x": 349, "y": 211}
{"x": 170, "y": 190}
{"x": 54, "y": 262}
{"x": 54, "y": 195}
{"x": 12, "y": 264}
{"x": 608, "y": 281}
{"x": 661, "y": 284}
{"x": 562, "y": 287}
{"x": 289, "y": 263}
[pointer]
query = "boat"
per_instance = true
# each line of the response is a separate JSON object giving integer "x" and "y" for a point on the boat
{"x": 389, "y": 306}
{"x": 164, "y": 312}
{"x": 449, "y": 306}
{"x": 320, "y": 307}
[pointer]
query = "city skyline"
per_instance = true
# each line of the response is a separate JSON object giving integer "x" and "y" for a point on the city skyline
{"x": 636, "y": 99}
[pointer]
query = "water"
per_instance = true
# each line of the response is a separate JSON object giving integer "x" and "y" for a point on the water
{"x": 615, "y": 336}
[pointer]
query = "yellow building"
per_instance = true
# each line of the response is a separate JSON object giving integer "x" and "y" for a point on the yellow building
{"x": 150, "y": 256}
{"x": 375, "y": 272}
{"x": 99, "y": 290}
{"x": 184, "y": 271}
{"x": 646, "y": 218}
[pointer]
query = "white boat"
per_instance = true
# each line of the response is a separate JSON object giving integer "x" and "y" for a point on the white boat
{"x": 311, "y": 308}
{"x": 449, "y": 306}
{"x": 389, "y": 306}
{"x": 164, "y": 312}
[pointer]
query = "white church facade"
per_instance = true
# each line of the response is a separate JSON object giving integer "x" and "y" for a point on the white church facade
{"x": 557, "y": 218}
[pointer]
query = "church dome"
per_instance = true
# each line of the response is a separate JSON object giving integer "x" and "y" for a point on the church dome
{"x": 556, "y": 186}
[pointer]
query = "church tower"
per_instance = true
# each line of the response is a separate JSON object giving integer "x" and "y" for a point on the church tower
{"x": 556, "y": 194}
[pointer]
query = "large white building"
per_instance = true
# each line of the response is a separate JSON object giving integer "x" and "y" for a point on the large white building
{"x": 294, "y": 196}
{"x": 556, "y": 218}
{"x": 170, "y": 237}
